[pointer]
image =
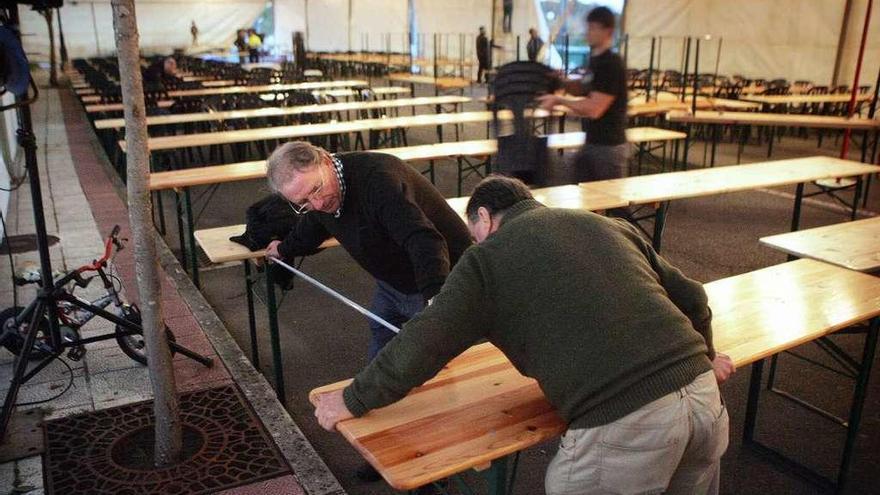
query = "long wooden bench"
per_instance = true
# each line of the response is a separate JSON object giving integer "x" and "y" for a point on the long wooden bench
{"x": 854, "y": 245}
{"x": 481, "y": 410}
{"x": 286, "y": 111}
{"x": 269, "y": 88}
{"x": 663, "y": 188}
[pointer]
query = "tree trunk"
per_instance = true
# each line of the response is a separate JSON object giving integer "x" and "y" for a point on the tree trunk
{"x": 53, "y": 68}
{"x": 61, "y": 40}
{"x": 165, "y": 403}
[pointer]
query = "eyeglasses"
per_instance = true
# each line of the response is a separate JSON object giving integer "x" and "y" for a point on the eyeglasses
{"x": 302, "y": 209}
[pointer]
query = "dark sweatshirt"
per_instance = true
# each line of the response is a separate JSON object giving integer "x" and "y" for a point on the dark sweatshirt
{"x": 394, "y": 223}
{"x": 578, "y": 301}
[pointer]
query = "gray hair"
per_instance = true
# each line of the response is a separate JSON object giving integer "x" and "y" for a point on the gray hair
{"x": 289, "y": 159}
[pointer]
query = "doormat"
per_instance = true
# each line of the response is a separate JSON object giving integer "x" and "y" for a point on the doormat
{"x": 110, "y": 451}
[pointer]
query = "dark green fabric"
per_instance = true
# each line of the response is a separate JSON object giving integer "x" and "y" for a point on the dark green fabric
{"x": 578, "y": 301}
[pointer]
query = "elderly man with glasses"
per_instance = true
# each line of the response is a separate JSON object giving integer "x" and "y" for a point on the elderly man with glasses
{"x": 388, "y": 217}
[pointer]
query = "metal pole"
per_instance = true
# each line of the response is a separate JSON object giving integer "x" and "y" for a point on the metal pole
{"x": 517, "y": 48}
{"x": 844, "y": 149}
{"x": 696, "y": 78}
{"x": 95, "y": 30}
{"x": 687, "y": 63}
{"x": 650, "y": 82}
{"x": 566, "y": 54}
{"x": 339, "y": 297}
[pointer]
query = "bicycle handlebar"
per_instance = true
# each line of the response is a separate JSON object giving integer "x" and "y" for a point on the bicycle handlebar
{"x": 112, "y": 240}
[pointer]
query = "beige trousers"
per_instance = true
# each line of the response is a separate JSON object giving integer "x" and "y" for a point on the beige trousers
{"x": 672, "y": 445}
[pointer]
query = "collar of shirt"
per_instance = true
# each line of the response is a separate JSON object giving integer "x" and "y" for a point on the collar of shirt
{"x": 337, "y": 168}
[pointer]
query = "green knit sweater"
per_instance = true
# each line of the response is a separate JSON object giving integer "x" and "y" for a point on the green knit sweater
{"x": 578, "y": 301}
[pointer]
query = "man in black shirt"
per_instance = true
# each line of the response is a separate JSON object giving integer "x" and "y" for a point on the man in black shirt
{"x": 533, "y": 47}
{"x": 605, "y": 152}
{"x": 484, "y": 54}
{"x": 388, "y": 217}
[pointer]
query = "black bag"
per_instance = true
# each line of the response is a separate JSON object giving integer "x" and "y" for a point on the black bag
{"x": 269, "y": 219}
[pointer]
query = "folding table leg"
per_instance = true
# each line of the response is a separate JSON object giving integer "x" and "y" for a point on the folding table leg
{"x": 252, "y": 320}
{"x": 274, "y": 338}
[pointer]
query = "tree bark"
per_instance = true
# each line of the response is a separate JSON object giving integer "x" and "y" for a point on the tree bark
{"x": 165, "y": 403}
{"x": 53, "y": 66}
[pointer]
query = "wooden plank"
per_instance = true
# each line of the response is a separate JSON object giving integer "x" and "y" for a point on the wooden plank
{"x": 306, "y": 86}
{"x": 216, "y": 244}
{"x": 233, "y": 172}
{"x": 479, "y": 408}
{"x": 281, "y": 111}
{"x": 322, "y": 129}
{"x": 440, "y": 82}
{"x": 799, "y": 99}
{"x": 772, "y": 119}
{"x": 117, "y": 107}
{"x": 719, "y": 180}
{"x": 854, "y": 245}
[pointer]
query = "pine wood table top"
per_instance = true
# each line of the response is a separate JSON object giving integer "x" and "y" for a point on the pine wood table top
{"x": 798, "y": 99}
{"x": 117, "y": 107}
{"x": 719, "y": 180}
{"x": 479, "y": 408}
{"x": 233, "y": 172}
{"x": 772, "y": 119}
{"x": 854, "y": 245}
{"x": 281, "y": 111}
{"x": 322, "y": 129}
{"x": 440, "y": 82}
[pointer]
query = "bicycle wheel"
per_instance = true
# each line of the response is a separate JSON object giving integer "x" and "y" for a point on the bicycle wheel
{"x": 133, "y": 345}
{"x": 14, "y": 339}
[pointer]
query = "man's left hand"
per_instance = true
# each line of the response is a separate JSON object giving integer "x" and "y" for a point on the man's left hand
{"x": 331, "y": 409}
{"x": 723, "y": 367}
{"x": 547, "y": 102}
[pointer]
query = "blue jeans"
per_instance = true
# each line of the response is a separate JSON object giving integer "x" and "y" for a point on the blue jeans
{"x": 396, "y": 308}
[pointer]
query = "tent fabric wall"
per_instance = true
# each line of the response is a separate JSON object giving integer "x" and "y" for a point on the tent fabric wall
{"x": 290, "y": 16}
{"x": 163, "y": 25}
{"x": 760, "y": 38}
{"x": 871, "y": 61}
{"x": 328, "y": 25}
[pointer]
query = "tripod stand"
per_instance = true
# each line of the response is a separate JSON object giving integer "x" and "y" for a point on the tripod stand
{"x": 49, "y": 293}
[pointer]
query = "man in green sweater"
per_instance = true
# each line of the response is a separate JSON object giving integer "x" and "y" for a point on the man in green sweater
{"x": 618, "y": 339}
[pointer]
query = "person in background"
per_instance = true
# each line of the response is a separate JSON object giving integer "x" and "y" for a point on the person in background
{"x": 605, "y": 151}
{"x": 484, "y": 54}
{"x": 241, "y": 44}
{"x": 194, "y": 31}
{"x": 507, "y": 19}
{"x": 534, "y": 45}
{"x": 254, "y": 42}
{"x": 618, "y": 339}
{"x": 162, "y": 72}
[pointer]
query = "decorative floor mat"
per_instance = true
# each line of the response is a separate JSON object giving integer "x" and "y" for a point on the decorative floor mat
{"x": 110, "y": 451}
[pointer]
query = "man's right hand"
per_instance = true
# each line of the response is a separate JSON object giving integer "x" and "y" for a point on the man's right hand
{"x": 723, "y": 367}
{"x": 272, "y": 250}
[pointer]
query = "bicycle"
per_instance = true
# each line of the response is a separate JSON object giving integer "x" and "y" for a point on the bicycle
{"x": 74, "y": 312}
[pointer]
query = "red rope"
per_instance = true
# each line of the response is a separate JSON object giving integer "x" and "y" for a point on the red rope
{"x": 844, "y": 149}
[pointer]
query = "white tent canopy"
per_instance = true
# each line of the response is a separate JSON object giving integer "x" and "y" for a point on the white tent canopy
{"x": 791, "y": 39}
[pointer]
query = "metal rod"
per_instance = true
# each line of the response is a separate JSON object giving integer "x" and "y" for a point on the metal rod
{"x": 348, "y": 302}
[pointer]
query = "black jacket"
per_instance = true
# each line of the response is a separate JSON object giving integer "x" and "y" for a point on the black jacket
{"x": 394, "y": 223}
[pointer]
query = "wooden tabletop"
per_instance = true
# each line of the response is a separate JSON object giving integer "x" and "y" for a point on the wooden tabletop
{"x": 440, "y": 82}
{"x": 704, "y": 182}
{"x": 772, "y": 119}
{"x": 280, "y": 111}
{"x": 480, "y": 408}
{"x": 117, "y": 107}
{"x": 377, "y": 90}
{"x": 219, "y": 249}
{"x": 796, "y": 99}
{"x": 305, "y": 86}
{"x": 233, "y": 172}
{"x": 854, "y": 245}
{"x": 322, "y": 129}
